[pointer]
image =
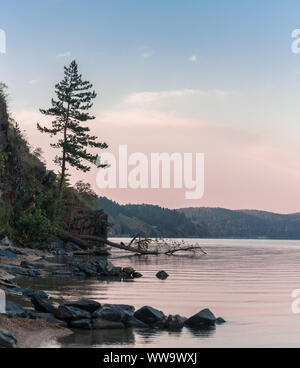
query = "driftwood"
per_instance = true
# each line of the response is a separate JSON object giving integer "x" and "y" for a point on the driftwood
{"x": 139, "y": 248}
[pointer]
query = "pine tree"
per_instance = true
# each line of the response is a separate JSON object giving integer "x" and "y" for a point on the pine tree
{"x": 71, "y": 109}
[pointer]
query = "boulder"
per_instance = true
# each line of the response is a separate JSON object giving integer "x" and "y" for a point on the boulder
{"x": 175, "y": 322}
{"x": 41, "y": 306}
{"x": 19, "y": 271}
{"x": 32, "y": 314}
{"x": 127, "y": 307}
{"x": 162, "y": 275}
{"x": 101, "y": 265}
{"x": 128, "y": 271}
{"x": 116, "y": 271}
{"x": 137, "y": 275}
{"x": 101, "y": 324}
{"x": 30, "y": 293}
{"x": 112, "y": 314}
{"x": 84, "y": 324}
{"x": 7, "y": 339}
{"x": 67, "y": 313}
{"x": 14, "y": 310}
{"x": 135, "y": 323}
{"x": 149, "y": 315}
{"x": 220, "y": 321}
{"x": 204, "y": 318}
{"x": 85, "y": 304}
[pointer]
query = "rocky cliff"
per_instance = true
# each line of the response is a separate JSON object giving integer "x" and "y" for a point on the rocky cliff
{"x": 21, "y": 170}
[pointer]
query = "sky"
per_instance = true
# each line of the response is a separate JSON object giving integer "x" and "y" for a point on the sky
{"x": 213, "y": 77}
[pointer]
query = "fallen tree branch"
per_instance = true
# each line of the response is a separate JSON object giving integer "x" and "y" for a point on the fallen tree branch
{"x": 140, "y": 250}
{"x": 121, "y": 245}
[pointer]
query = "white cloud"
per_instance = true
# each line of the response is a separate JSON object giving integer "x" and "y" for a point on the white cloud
{"x": 32, "y": 82}
{"x": 143, "y": 98}
{"x": 66, "y": 54}
{"x": 193, "y": 58}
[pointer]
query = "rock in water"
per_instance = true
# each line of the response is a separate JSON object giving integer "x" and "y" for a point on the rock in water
{"x": 220, "y": 321}
{"x": 7, "y": 339}
{"x": 137, "y": 275}
{"x": 175, "y": 322}
{"x": 41, "y": 306}
{"x": 84, "y": 324}
{"x": 162, "y": 275}
{"x": 149, "y": 315}
{"x": 68, "y": 314}
{"x": 203, "y": 319}
{"x": 84, "y": 304}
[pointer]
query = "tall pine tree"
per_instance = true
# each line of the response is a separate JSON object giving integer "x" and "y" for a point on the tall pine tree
{"x": 71, "y": 109}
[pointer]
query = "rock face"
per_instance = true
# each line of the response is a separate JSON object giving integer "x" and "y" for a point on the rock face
{"x": 81, "y": 220}
{"x": 204, "y": 318}
{"x": 7, "y": 339}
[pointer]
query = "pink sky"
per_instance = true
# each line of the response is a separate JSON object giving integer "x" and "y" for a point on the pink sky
{"x": 243, "y": 168}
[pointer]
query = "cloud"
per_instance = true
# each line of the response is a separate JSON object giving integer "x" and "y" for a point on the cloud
{"x": 32, "y": 82}
{"x": 66, "y": 54}
{"x": 147, "y": 97}
{"x": 193, "y": 58}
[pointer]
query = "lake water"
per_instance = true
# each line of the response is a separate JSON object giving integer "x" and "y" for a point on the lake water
{"x": 247, "y": 282}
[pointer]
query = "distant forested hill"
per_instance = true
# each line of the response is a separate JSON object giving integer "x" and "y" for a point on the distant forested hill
{"x": 155, "y": 221}
{"x": 225, "y": 223}
{"x": 149, "y": 220}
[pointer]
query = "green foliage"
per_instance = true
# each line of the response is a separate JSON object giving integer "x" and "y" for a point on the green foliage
{"x": 3, "y": 160}
{"x": 86, "y": 193}
{"x": 5, "y": 217}
{"x": 149, "y": 220}
{"x": 39, "y": 222}
{"x": 70, "y": 110}
{"x": 34, "y": 226}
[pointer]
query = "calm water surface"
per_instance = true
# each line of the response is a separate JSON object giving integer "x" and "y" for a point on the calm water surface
{"x": 247, "y": 282}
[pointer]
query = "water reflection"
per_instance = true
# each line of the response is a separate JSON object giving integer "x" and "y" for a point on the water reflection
{"x": 82, "y": 338}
